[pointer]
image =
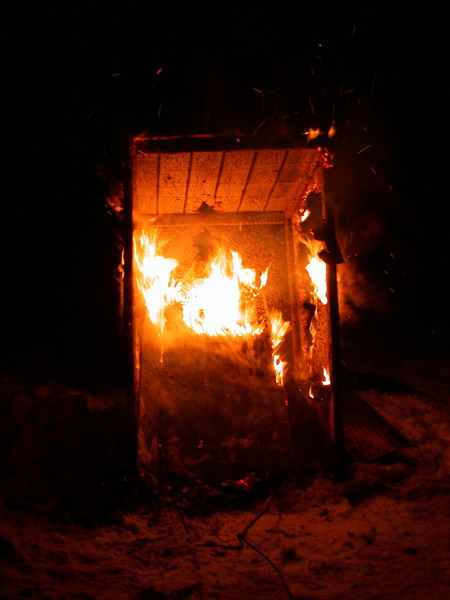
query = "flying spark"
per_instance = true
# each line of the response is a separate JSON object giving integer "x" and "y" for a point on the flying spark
{"x": 312, "y": 133}
{"x": 364, "y": 149}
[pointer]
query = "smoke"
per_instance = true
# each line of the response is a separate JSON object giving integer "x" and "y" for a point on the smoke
{"x": 379, "y": 237}
{"x": 267, "y": 75}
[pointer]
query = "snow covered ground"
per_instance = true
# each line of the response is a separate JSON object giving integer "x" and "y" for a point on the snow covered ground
{"x": 377, "y": 530}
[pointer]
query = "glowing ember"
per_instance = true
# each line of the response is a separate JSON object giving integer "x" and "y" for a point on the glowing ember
{"x": 226, "y": 301}
{"x": 304, "y": 214}
{"x": 326, "y": 378}
{"x": 317, "y": 270}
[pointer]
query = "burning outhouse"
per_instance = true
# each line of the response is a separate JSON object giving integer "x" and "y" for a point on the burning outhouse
{"x": 232, "y": 306}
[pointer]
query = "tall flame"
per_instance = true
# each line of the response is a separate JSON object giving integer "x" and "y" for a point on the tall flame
{"x": 317, "y": 270}
{"x": 279, "y": 327}
{"x": 154, "y": 278}
{"x": 222, "y": 303}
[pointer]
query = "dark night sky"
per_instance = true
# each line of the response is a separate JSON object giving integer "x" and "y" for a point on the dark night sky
{"x": 80, "y": 81}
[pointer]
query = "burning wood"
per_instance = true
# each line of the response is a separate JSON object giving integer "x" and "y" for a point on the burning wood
{"x": 231, "y": 314}
{"x": 228, "y": 300}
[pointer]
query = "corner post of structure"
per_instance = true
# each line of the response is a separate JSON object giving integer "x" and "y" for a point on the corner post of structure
{"x": 334, "y": 257}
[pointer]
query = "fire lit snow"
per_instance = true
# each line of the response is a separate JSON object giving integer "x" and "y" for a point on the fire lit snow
{"x": 377, "y": 530}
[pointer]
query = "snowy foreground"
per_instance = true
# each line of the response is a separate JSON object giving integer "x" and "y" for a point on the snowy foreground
{"x": 377, "y": 531}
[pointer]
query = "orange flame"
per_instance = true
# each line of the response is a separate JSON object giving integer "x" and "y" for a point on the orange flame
{"x": 317, "y": 270}
{"x": 279, "y": 327}
{"x": 222, "y": 303}
{"x": 154, "y": 278}
{"x": 219, "y": 303}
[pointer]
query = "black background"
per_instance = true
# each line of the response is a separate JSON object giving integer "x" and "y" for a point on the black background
{"x": 80, "y": 80}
